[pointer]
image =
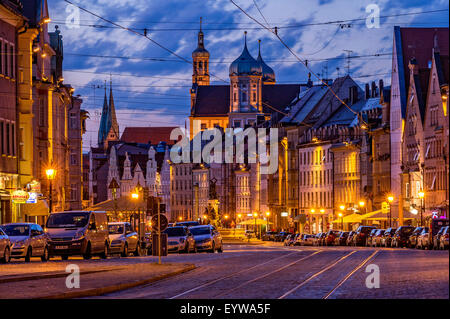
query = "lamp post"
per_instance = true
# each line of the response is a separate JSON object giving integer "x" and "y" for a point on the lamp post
{"x": 362, "y": 205}
{"x": 256, "y": 229}
{"x": 422, "y": 206}
{"x": 51, "y": 174}
{"x": 267, "y": 221}
{"x": 313, "y": 211}
{"x": 342, "y": 220}
{"x": 390, "y": 200}
{"x": 322, "y": 211}
{"x": 341, "y": 214}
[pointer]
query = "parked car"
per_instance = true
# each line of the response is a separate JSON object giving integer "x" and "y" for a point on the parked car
{"x": 341, "y": 240}
{"x": 330, "y": 236}
{"x": 269, "y": 236}
{"x": 307, "y": 240}
{"x": 437, "y": 238}
{"x": 444, "y": 239}
{"x": 319, "y": 240}
{"x": 27, "y": 240}
{"x": 123, "y": 239}
{"x": 370, "y": 236}
{"x": 412, "y": 240}
{"x": 401, "y": 236}
{"x": 78, "y": 233}
{"x": 207, "y": 238}
{"x": 281, "y": 236}
{"x": 376, "y": 239}
{"x": 387, "y": 237}
{"x": 180, "y": 240}
{"x": 5, "y": 248}
{"x": 349, "y": 241}
{"x": 187, "y": 223}
{"x": 359, "y": 238}
{"x": 423, "y": 240}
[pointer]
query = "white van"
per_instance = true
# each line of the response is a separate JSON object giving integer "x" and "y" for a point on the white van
{"x": 78, "y": 233}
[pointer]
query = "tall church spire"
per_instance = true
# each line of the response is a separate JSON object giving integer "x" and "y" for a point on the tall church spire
{"x": 112, "y": 127}
{"x": 200, "y": 61}
{"x": 102, "y": 131}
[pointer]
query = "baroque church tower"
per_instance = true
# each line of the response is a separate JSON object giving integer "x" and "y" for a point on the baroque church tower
{"x": 200, "y": 59}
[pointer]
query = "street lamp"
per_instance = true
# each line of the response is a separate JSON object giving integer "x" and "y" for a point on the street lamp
{"x": 267, "y": 221}
{"x": 422, "y": 206}
{"x": 342, "y": 220}
{"x": 362, "y": 204}
{"x": 390, "y": 200}
{"x": 51, "y": 174}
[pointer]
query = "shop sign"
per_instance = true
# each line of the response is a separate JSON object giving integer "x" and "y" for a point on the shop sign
{"x": 32, "y": 199}
{"x": 20, "y": 197}
{"x": 34, "y": 187}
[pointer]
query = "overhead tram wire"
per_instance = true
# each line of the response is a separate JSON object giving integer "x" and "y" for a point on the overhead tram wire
{"x": 301, "y": 61}
{"x": 292, "y": 26}
{"x": 142, "y": 35}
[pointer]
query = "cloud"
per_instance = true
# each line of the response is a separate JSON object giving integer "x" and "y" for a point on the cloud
{"x": 170, "y": 76}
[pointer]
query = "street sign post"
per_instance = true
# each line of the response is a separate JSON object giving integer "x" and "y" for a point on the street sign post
{"x": 162, "y": 251}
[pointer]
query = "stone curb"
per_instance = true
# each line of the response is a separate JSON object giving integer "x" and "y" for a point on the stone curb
{"x": 114, "y": 288}
{"x": 50, "y": 276}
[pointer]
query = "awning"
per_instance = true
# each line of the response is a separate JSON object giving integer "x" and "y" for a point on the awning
{"x": 259, "y": 221}
{"x": 353, "y": 218}
{"x": 38, "y": 209}
{"x": 121, "y": 204}
{"x": 371, "y": 214}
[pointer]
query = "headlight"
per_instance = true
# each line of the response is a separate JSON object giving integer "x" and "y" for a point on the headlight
{"x": 20, "y": 243}
{"x": 79, "y": 234}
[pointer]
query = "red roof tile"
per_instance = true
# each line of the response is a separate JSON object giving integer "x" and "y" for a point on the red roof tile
{"x": 151, "y": 135}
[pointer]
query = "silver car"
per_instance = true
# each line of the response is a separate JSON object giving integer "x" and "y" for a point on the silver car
{"x": 180, "y": 240}
{"x": 5, "y": 248}
{"x": 27, "y": 240}
{"x": 123, "y": 239}
{"x": 207, "y": 238}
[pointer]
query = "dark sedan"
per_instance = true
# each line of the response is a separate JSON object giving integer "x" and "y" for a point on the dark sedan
{"x": 401, "y": 236}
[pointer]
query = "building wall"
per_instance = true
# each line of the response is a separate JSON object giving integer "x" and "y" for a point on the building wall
{"x": 316, "y": 184}
{"x": 9, "y": 23}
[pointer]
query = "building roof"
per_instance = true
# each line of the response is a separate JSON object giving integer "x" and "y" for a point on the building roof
{"x": 308, "y": 99}
{"x": 417, "y": 43}
{"x": 245, "y": 64}
{"x": 268, "y": 74}
{"x": 421, "y": 81}
{"x": 214, "y": 100}
{"x": 146, "y": 135}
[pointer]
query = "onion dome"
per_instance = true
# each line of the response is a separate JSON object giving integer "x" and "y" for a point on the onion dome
{"x": 268, "y": 75}
{"x": 200, "y": 51}
{"x": 245, "y": 64}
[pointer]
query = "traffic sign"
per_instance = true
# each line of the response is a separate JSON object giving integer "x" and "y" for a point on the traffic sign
{"x": 163, "y": 222}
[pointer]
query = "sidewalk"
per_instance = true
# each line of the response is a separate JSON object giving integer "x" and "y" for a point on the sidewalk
{"x": 236, "y": 241}
{"x": 92, "y": 283}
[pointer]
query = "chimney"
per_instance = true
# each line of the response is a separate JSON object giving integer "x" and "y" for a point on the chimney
{"x": 381, "y": 86}
{"x": 374, "y": 89}
{"x": 367, "y": 91}
{"x": 413, "y": 67}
